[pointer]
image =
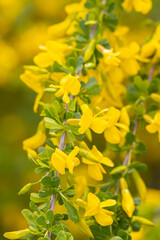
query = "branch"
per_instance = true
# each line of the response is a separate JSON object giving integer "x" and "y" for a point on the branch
{"x": 128, "y": 155}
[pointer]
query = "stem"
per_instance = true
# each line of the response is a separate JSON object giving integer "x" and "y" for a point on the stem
{"x": 150, "y": 75}
{"x": 53, "y": 196}
{"x": 128, "y": 156}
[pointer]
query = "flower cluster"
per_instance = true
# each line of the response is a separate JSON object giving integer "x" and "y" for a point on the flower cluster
{"x": 93, "y": 87}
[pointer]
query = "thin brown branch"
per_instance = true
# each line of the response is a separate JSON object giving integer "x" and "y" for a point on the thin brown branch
{"x": 128, "y": 155}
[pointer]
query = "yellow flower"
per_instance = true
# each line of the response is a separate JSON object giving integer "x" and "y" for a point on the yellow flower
{"x": 117, "y": 125}
{"x": 154, "y": 126}
{"x": 127, "y": 200}
{"x": 60, "y": 160}
{"x": 143, "y": 6}
{"x": 80, "y": 186}
{"x": 97, "y": 124}
{"x": 36, "y": 140}
{"x": 152, "y": 48}
{"x": 53, "y": 51}
{"x": 68, "y": 84}
{"x": 77, "y": 8}
{"x": 36, "y": 83}
{"x": 95, "y": 208}
{"x": 59, "y": 30}
{"x": 129, "y": 59}
{"x": 109, "y": 57}
{"x": 95, "y": 169}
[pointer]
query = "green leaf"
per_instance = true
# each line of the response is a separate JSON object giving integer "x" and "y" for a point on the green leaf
{"x": 50, "y": 216}
{"x": 59, "y": 216}
{"x": 92, "y": 87}
{"x": 46, "y": 181}
{"x": 100, "y": 233}
{"x": 33, "y": 206}
{"x": 79, "y": 65}
{"x": 116, "y": 238}
{"x": 41, "y": 221}
{"x": 59, "y": 68}
{"x": 50, "y": 111}
{"x": 55, "y": 181}
{"x": 52, "y": 124}
{"x": 71, "y": 210}
{"x": 137, "y": 201}
{"x": 36, "y": 199}
{"x": 154, "y": 85}
{"x": 28, "y": 216}
{"x": 142, "y": 167}
{"x": 123, "y": 234}
{"x": 44, "y": 193}
{"x": 92, "y": 81}
{"x": 71, "y": 105}
{"x": 70, "y": 136}
{"x": 46, "y": 155}
{"x": 69, "y": 191}
{"x": 61, "y": 236}
{"x": 130, "y": 138}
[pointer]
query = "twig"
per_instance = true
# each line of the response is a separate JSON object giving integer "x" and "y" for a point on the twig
{"x": 128, "y": 156}
{"x": 150, "y": 75}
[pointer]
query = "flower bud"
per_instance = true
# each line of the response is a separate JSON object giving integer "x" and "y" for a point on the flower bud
{"x": 155, "y": 97}
{"x": 140, "y": 185}
{"x": 73, "y": 122}
{"x": 25, "y": 189}
{"x": 142, "y": 221}
{"x": 90, "y": 50}
{"x": 118, "y": 169}
{"x": 127, "y": 200}
{"x": 88, "y": 155}
{"x": 17, "y": 234}
{"x": 147, "y": 118}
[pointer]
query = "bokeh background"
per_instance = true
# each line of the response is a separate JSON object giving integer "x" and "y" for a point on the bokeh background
{"x": 23, "y": 25}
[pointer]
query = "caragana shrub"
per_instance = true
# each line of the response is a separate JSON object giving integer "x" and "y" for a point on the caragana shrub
{"x": 93, "y": 91}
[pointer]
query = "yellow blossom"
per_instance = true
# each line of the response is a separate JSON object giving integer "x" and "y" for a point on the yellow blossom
{"x": 127, "y": 200}
{"x": 78, "y": 8}
{"x": 68, "y": 84}
{"x": 53, "y": 51}
{"x": 60, "y": 160}
{"x": 129, "y": 59}
{"x": 143, "y": 6}
{"x": 59, "y": 30}
{"x": 80, "y": 186}
{"x": 117, "y": 125}
{"x": 96, "y": 208}
{"x": 36, "y": 83}
{"x": 97, "y": 124}
{"x": 35, "y": 141}
{"x": 152, "y": 48}
{"x": 110, "y": 58}
{"x": 154, "y": 125}
{"x": 95, "y": 169}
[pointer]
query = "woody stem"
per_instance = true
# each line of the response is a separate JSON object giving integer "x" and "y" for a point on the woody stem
{"x": 128, "y": 155}
{"x": 53, "y": 196}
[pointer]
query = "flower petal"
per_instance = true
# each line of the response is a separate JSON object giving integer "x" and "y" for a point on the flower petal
{"x": 95, "y": 172}
{"x": 98, "y": 125}
{"x": 103, "y": 219}
{"x": 108, "y": 203}
{"x": 112, "y": 135}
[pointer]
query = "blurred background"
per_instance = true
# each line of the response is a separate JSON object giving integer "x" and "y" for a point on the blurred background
{"x": 23, "y": 25}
